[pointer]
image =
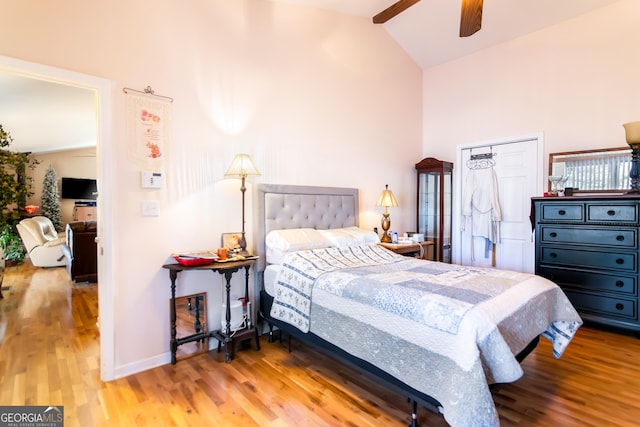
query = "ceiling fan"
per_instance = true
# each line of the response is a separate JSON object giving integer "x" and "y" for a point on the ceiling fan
{"x": 470, "y": 16}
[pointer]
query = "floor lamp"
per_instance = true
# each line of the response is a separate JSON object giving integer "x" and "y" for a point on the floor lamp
{"x": 241, "y": 167}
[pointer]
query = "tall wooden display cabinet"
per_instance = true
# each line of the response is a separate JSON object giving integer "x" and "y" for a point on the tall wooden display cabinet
{"x": 434, "y": 209}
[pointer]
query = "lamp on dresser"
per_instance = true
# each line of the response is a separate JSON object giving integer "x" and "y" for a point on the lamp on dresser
{"x": 241, "y": 167}
{"x": 387, "y": 200}
{"x": 632, "y": 133}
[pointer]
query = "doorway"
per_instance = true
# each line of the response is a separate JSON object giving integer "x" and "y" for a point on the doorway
{"x": 102, "y": 90}
{"x": 517, "y": 163}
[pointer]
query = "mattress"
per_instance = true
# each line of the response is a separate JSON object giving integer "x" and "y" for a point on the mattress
{"x": 270, "y": 274}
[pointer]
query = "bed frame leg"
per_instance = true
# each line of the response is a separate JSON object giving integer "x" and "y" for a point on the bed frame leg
{"x": 270, "y": 332}
{"x": 414, "y": 413}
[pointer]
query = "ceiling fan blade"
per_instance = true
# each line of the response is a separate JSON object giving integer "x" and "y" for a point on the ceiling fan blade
{"x": 393, "y": 10}
{"x": 470, "y": 17}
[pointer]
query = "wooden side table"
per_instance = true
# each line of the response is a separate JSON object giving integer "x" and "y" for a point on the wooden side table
{"x": 411, "y": 249}
{"x": 224, "y": 336}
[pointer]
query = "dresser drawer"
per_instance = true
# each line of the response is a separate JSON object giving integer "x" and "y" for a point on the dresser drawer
{"x": 627, "y": 213}
{"x": 561, "y": 212}
{"x": 588, "y": 259}
{"x": 623, "y": 238}
{"x": 598, "y": 282}
{"x": 618, "y": 307}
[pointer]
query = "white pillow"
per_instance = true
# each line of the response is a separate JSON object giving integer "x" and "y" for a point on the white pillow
{"x": 350, "y": 236}
{"x": 280, "y": 242}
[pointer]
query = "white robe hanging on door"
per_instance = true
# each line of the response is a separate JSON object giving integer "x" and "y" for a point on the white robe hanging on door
{"x": 481, "y": 206}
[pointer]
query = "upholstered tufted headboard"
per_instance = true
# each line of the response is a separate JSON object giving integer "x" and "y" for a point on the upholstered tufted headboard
{"x": 278, "y": 207}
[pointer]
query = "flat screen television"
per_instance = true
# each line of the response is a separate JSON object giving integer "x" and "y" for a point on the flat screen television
{"x": 79, "y": 188}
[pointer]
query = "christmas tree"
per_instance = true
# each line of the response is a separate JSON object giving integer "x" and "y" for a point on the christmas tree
{"x": 50, "y": 201}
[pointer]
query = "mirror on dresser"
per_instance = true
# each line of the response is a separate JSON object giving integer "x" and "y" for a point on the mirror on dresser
{"x": 592, "y": 171}
{"x": 191, "y": 318}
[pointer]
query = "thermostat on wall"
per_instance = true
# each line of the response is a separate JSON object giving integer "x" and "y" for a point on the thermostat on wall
{"x": 152, "y": 179}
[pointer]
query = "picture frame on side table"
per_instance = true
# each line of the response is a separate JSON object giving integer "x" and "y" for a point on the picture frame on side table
{"x": 231, "y": 241}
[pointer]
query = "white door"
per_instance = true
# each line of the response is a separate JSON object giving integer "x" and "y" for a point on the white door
{"x": 517, "y": 167}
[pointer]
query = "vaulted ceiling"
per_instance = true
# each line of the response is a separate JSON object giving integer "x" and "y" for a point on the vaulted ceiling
{"x": 44, "y": 116}
{"x": 429, "y": 29}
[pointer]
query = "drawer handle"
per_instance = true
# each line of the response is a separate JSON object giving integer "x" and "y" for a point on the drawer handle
{"x": 562, "y": 212}
{"x": 619, "y": 283}
{"x": 553, "y": 255}
{"x": 611, "y": 213}
{"x": 554, "y": 234}
{"x": 619, "y": 306}
{"x": 619, "y": 238}
{"x": 619, "y": 261}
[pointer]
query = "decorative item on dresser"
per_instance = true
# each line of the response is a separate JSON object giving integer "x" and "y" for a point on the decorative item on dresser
{"x": 589, "y": 246}
{"x": 434, "y": 205}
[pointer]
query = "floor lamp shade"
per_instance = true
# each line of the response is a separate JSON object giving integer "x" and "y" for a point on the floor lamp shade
{"x": 241, "y": 167}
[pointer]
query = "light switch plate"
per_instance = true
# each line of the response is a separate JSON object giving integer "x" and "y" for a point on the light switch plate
{"x": 150, "y": 208}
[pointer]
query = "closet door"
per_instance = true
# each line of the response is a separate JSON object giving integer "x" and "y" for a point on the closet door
{"x": 517, "y": 177}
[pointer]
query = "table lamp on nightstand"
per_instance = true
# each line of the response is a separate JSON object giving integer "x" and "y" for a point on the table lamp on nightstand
{"x": 241, "y": 167}
{"x": 632, "y": 133}
{"x": 387, "y": 200}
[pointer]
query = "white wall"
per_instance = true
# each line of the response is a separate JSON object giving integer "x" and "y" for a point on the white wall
{"x": 577, "y": 82}
{"x": 315, "y": 97}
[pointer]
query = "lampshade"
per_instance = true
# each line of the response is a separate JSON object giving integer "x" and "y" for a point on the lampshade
{"x": 632, "y": 132}
{"x": 386, "y": 198}
{"x": 242, "y": 166}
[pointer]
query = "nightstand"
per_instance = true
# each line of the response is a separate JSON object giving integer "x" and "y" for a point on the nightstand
{"x": 225, "y": 336}
{"x": 412, "y": 249}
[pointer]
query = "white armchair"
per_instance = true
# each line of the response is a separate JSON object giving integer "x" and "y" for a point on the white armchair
{"x": 44, "y": 245}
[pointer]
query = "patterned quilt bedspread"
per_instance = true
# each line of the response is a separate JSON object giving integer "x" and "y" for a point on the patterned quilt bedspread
{"x": 445, "y": 330}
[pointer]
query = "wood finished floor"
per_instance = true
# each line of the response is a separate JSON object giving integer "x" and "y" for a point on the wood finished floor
{"x": 49, "y": 355}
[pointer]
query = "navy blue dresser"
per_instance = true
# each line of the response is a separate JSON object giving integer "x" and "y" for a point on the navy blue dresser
{"x": 589, "y": 247}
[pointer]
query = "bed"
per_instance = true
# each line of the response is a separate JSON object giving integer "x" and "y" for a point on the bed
{"x": 436, "y": 333}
